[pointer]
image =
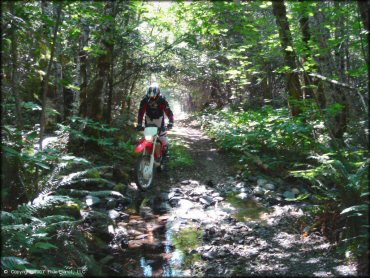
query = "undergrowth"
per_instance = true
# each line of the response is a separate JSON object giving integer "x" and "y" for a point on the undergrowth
{"x": 41, "y": 228}
{"x": 179, "y": 155}
{"x": 300, "y": 147}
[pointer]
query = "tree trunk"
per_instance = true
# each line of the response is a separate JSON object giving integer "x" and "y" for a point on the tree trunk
{"x": 84, "y": 38}
{"x": 14, "y": 81}
{"x": 129, "y": 97}
{"x": 96, "y": 109}
{"x": 46, "y": 79}
{"x": 228, "y": 93}
{"x": 338, "y": 122}
{"x": 110, "y": 93}
{"x": 306, "y": 36}
{"x": 363, "y": 8}
{"x": 339, "y": 50}
{"x": 305, "y": 30}
{"x": 292, "y": 78}
{"x": 58, "y": 73}
{"x": 113, "y": 13}
{"x": 126, "y": 86}
{"x": 325, "y": 60}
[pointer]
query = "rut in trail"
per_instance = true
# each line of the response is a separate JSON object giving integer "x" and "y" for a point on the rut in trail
{"x": 210, "y": 167}
{"x": 205, "y": 220}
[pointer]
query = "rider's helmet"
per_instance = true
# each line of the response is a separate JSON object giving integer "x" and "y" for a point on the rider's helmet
{"x": 153, "y": 91}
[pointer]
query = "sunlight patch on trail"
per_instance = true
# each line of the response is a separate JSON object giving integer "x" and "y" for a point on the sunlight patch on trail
{"x": 178, "y": 113}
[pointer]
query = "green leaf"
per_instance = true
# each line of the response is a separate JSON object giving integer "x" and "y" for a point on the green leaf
{"x": 31, "y": 105}
{"x": 13, "y": 263}
{"x": 265, "y": 5}
{"x": 42, "y": 165}
{"x": 75, "y": 31}
{"x": 52, "y": 112}
{"x": 289, "y": 48}
{"x": 7, "y": 218}
{"x": 32, "y": 135}
{"x": 44, "y": 246}
{"x": 357, "y": 208}
{"x": 8, "y": 151}
{"x": 73, "y": 87}
{"x": 75, "y": 159}
{"x": 299, "y": 197}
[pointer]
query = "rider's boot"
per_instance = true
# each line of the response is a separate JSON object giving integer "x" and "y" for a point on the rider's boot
{"x": 165, "y": 157}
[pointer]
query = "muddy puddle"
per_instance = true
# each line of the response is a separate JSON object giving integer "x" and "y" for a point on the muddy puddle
{"x": 155, "y": 253}
{"x": 149, "y": 247}
{"x": 247, "y": 209}
{"x": 160, "y": 241}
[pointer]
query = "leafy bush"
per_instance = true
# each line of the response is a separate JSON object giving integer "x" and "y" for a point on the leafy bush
{"x": 89, "y": 137}
{"x": 342, "y": 177}
{"x": 179, "y": 155}
{"x": 266, "y": 131}
{"x": 25, "y": 165}
{"x": 43, "y": 235}
{"x": 302, "y": 147}
{"x": 88, "y": 130}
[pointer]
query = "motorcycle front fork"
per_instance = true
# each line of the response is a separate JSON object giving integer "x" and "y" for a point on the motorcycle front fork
{"x": 152, "y": 160}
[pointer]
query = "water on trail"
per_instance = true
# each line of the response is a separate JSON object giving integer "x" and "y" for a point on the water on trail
{"x": 204, "y": 220}
{"x": 156, "y": 244}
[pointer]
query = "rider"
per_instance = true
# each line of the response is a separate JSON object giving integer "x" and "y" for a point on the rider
{"x": 154, "y": 106}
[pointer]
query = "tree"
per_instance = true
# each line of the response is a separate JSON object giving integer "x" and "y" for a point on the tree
{"x": 97, "y": 98}
{"x": 82, "y": 58}
{"x": 292, "y": 77}
{"x": 47, "y": 75}
{"x": 14, "y": 80}
{"x": 326, "y": 65}
{"x": 363, "y": 9}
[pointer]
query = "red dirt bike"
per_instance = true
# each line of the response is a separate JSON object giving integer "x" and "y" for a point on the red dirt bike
{"x": 151, "y": 157}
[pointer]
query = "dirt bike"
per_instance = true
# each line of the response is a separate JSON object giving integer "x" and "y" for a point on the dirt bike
{"x": 150, "y": 159}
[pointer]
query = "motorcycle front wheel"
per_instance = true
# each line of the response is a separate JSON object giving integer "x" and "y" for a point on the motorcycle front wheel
{"x": 144, "y": 174}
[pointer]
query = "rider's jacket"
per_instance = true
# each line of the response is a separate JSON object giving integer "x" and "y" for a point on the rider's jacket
{"x": 154, "y": 109}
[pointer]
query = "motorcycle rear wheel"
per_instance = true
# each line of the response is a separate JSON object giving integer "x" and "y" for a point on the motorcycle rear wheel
{"x": 144, "y": 176}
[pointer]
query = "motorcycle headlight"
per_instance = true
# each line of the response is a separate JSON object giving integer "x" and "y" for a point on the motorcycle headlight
{"x": 149, "y": 138}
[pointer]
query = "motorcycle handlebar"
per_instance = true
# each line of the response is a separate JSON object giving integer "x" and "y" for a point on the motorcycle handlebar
{"x": 163, "y": 129}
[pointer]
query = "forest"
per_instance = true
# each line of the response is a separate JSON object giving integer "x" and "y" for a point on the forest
{"x": 279, "y": 89}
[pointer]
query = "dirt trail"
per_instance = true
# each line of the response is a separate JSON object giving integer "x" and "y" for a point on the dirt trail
{"x": 210, "y": 167}
{"x": 231, "y": 228}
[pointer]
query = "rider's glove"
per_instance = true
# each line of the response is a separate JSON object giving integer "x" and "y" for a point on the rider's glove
{"x": 169, "y": 126}
{"x": 139, "y": 128}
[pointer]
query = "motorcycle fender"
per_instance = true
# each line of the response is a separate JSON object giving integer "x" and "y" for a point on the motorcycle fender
{"x": 142, "y": 145}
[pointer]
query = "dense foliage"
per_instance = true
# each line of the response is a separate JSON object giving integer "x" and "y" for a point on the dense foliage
{"x": 270, "y": 141}
{"x": 284, "y": 85}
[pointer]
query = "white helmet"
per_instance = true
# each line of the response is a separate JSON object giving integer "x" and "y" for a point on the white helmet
{"x": 153, "y": 91}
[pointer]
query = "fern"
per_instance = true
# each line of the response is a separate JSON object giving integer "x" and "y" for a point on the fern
{"x": 49, "y": 201}
{"x": 76, "y": 193}
{"x": 8, "y": 218}
{"x": 105, "y": 193}
{"x": 42, "y": 246}
{"x": 83, "y": 176}
{"x": 51, "y": 219}
{"x": 65, "y": 224}
{"x": 14, "y": 263}
{"x": 358, "y": 180}
{"x": 357, "y": 210}
{"x": 13, "y": 228}
{"x": 26, "y": 210}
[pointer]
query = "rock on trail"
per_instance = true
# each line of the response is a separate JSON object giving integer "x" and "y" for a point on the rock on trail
{"x": 205, "y": 220}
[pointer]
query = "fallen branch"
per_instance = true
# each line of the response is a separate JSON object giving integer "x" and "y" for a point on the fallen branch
{"x": 334, "y": 82}
{"x": 258, "y": 162}
{"x": 323, "y": 78}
